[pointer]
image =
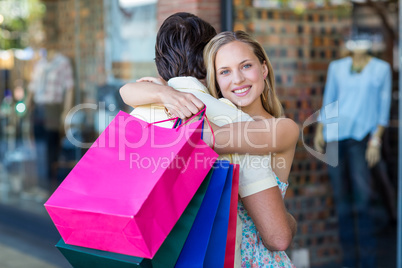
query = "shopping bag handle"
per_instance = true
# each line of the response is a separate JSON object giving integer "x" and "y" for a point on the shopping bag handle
{"x": 204, "y": 116}
{"x": 170, "y": 119}
{"x": 178, "y": 120}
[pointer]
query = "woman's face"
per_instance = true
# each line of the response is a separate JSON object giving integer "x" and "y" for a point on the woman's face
{"x": 239, "y": 74}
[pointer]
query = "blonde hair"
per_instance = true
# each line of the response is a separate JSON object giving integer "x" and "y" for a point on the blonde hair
{"x": 269, "y": 98}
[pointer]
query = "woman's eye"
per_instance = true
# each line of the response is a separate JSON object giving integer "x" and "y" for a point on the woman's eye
{"x": 224, "y": 72}
{"x": 246, "y": 66}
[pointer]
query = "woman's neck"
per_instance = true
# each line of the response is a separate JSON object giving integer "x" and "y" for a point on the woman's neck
{"x": 256, "y": 111}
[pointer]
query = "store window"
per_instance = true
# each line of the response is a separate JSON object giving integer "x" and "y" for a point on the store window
{"x": 130, "y": 39}
{"x": 85, "y": 51}
{"x": 130, "y": 33}
{"x": 17, "y": 21}
{"x": 302, "y": 38}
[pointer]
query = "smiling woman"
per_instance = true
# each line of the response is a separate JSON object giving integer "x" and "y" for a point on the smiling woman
{"x": 239, "y": 70}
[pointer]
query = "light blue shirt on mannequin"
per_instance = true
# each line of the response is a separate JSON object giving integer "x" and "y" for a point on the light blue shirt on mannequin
{"x": 355, "y": 104}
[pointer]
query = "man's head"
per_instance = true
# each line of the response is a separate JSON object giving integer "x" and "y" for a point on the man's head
{"x": 179, "y": 46}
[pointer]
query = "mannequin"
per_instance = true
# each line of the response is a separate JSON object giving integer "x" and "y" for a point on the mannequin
{"x": 357, "y": 94}
{"x": 50, "y": 97}
{"x": 360, "y": 58}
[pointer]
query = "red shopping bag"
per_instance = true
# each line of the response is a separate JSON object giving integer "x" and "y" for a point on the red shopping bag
{"x": 130, "y": 188}
{"x": 231, "y": 236}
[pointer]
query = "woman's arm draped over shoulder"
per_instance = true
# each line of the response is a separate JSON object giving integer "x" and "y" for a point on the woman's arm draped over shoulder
{"x": 179, "y": 104}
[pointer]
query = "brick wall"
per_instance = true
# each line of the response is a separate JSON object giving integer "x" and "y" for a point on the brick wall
{"x": 300, "y": 47}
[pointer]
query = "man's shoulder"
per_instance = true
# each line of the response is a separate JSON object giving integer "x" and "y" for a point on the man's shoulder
{"x": 187, "y": 83}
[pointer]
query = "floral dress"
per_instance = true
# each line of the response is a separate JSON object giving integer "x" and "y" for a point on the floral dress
{"x": 253, "y": 252}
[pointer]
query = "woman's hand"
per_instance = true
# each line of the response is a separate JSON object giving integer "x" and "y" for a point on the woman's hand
{"x": 180, "y": 104}
{"x": 152, "y": 90}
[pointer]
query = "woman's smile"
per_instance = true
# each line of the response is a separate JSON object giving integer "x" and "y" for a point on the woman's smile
{"x": 241, "y": 91}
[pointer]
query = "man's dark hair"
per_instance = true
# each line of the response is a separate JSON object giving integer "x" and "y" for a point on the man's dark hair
{"x": 179, "y": 46}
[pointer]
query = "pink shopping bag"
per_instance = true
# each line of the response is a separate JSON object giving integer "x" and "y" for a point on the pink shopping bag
{"x": 130, "y": 188}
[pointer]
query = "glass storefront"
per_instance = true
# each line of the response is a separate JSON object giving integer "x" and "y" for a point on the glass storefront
{"x": 67, "y": 59}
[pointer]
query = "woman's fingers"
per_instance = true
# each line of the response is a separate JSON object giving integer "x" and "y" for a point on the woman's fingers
{"x": 192, "y": 108}
{"x": 193, "y": 104}
{"x": 197, "y": 102}
{"x": 181, "y": 112}
{"x": 182, "y": 104}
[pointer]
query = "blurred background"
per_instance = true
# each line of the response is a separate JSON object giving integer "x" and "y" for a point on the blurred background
{"x": 96, "y": 46}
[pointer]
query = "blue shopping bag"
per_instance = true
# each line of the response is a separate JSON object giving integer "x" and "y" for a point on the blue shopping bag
{"x": 215, "y": 201}
{"x": 215, "y": 256}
